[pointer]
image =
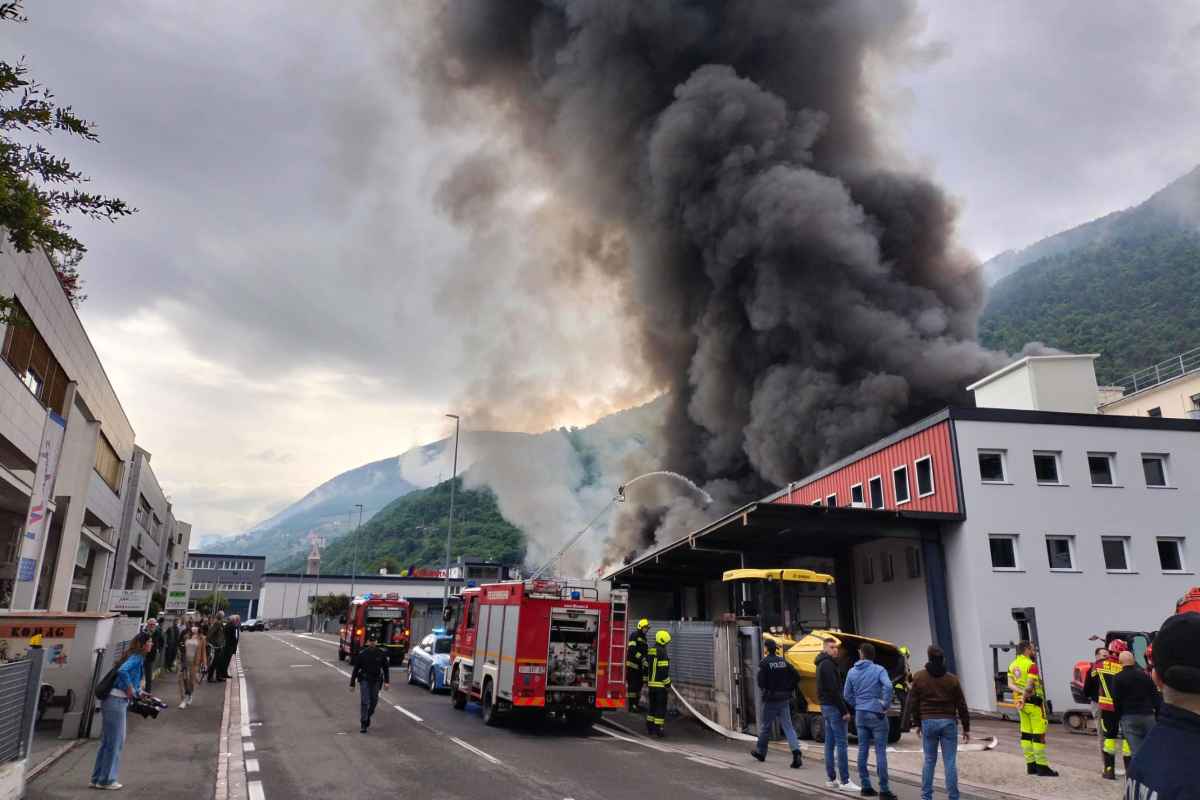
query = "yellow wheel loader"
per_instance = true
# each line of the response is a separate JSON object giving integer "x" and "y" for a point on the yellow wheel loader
{"x": 792, "y": 607}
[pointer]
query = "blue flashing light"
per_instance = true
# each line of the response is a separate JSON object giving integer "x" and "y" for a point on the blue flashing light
{"x": 470, "y": 584}
{"x": 575, "y": 595}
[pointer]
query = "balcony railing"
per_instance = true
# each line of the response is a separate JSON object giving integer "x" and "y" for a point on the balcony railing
{"x": 1174, "y": 367}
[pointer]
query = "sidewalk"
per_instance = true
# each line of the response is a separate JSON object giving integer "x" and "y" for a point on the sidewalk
{"x": 174, "y": 756}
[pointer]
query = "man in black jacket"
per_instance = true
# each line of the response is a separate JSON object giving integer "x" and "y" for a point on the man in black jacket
{"x": 835, "y": 716}
{"x": 1136, "y": 701}
{"x": 777, "y": 681}
{"x": 371, "y": 672}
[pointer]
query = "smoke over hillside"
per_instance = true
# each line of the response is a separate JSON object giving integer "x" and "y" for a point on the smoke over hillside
{"x": 714, "y": 164}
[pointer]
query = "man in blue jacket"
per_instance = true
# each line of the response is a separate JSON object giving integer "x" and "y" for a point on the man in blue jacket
{"x": 868, "y": 691}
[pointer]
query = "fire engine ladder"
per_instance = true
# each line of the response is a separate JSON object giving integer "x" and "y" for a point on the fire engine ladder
{"x": 618, "y": 634}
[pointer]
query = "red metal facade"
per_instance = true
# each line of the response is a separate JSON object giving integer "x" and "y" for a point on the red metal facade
{"x": 933, "y": 441}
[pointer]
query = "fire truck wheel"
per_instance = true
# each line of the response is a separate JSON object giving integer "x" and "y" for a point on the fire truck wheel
{"x": 458, "y": 698}
{"x": 487, "y": 704}
{"x": 581, "y": 720}
{"x": 341, "y": 654}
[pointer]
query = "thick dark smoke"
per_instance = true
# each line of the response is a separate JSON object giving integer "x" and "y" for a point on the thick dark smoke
{"x": 797, "y": 290}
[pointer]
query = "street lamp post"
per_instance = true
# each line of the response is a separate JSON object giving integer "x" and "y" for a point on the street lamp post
{"x": 450, "y": 520}
{"x": 354, "y": 563}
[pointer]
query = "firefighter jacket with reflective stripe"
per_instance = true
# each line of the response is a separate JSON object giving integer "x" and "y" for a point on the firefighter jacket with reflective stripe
{"x": 1104, "y": 680}
{"x": 1023, "y": 673}
{"x": 635, "y": 654}
{"x": 656, "y": 667}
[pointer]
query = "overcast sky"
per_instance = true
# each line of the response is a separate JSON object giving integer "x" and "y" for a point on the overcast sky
{"x": 277, "y": 312}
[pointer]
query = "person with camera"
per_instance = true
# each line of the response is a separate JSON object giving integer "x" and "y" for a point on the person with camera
{"x": 126, "y": 687}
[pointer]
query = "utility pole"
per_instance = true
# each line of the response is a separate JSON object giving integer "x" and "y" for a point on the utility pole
{"x": 354, "y": 564}
{"x": 450, "y": 520}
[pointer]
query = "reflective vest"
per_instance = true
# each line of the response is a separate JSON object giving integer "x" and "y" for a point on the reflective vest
{"x": 635, "y": 653}
{"x": 1023, "y": 673}
{"x": 657, "y": 667}
{"x": 1104, "y": 675}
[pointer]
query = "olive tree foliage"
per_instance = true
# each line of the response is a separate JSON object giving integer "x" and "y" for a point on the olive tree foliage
{"x": 37, "y": 187}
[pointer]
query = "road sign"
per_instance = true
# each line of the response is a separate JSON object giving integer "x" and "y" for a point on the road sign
{"x": 129, "y": 600}
{"x": 177, "y": 590}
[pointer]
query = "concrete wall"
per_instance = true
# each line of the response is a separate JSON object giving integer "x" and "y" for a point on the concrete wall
{"x": 1071, "y": 606}
{"x": 1043, "y": 383}
{"x": 1173, "y": 399}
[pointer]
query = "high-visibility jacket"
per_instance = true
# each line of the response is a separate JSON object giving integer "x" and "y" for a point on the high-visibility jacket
{"x": 1104, "y": 681}
{"x": 1023, "y": 673}
{"x": 657, "y": 667}
{"x": 635, "y": 652}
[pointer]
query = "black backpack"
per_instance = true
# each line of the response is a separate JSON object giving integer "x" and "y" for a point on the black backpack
{"x": 106, "y": 684}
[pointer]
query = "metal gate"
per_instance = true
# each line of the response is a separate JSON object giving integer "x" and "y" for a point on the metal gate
{"x": 691, "y": 649}
{"x": 19, "y": 683}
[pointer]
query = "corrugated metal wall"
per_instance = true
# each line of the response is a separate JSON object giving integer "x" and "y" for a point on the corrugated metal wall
{"x": 14, "y": 687}
{"x": 690, "y": 651}
{"x": 934, "y": 442}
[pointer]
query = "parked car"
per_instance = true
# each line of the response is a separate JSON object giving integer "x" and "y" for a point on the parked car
{"x": 428, "y": 661}
{"x": 254, "y": 625}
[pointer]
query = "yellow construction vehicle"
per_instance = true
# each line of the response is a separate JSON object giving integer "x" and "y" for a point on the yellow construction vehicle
{"x": 792, "y": 607}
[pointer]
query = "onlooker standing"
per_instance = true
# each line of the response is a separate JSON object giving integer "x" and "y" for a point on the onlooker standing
{"x": 216, "y": 638}
{"x": 868, "y": 691}
{"x": 156, "y": 647}
{"x": 777, "y": 682}
{"x": 233, "y": 635}
{"x": 370, "y": 671}
{"x": 835, "y": 714}
{"x": 1166, "y": 766}
{"x": 114, "y": 709}
{"x": 934, "y": 701}
{"x": 171, "y": 641}
{"x": 190, "y": 649}
{"x": 1136, "y": 701}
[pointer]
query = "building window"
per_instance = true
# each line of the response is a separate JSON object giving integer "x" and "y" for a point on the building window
{"x": 831, "y": 501}
{"x": 876, "y": 487}
{"x": 887, "y": 567}
{"x": 1101, "y": 467}
{"x": 816, "y": 502}
{"x": 912, "y": 560}
{"x": 1154, "y": 467}
{"x": 1170, "y": 554}
{"x": 856, "y": 495}
{"x": 1154, "y": 412}
{"x": 900, "y": 484}
{"x": 108, "y": 464}
{"x": 1116, "y": 553}
{"x": 868, "y": 569}
{"x": 1196, "y": 401}
{"x": 992, "y": 466}
{"x": 1004, "y": 551}
{"x": 1046, "y": 467}
{"x": 30, "y": 358}
{"x": 33, "y": 382}
{"x": 924, "y": 468}
{"x": 1060, "y": 551}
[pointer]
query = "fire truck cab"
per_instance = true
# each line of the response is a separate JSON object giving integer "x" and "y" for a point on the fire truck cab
{"x": 539, "y": 646}
{"x": 383, "y": 616}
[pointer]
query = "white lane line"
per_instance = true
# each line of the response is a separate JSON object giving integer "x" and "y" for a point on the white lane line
{"x": 315, "y": 639}
{"x": 251, "y": 765}
{"x": 475, "y": 750}
{"x": 408, "y": 713}
{"x": 245, "y": 703}
{"x": 708, "y": 762}
{"x": 256, "y": 791}
{"x": 299, "y": 666}
{"x": 247, "y": 747}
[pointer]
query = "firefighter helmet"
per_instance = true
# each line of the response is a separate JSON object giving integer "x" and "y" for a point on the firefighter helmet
{"x": 662, "y": 637}
{"x": 1116, "y": 647}
{"x": 643, "y": 624}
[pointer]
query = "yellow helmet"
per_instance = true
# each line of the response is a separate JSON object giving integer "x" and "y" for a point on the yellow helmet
{"x": 662, "y": 637}
{"x": 35, "y": 640}
{"x": 643, "y": 624}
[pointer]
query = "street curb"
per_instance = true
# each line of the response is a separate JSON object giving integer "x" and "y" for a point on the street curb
{"x": 231, "y": 767}
{"x": 54, "y": 756}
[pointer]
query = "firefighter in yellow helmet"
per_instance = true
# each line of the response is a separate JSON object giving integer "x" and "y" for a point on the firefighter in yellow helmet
{"x": 656, "y": 667}
{"x": 1030, "y": 698}
{"x": 635, "y": 655}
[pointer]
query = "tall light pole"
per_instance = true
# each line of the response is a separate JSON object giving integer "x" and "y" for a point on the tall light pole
{"x": 354, "y": 563}
{"x": 450, "y": 520}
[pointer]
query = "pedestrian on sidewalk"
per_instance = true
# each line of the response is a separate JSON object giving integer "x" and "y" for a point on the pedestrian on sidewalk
{"x": 778, "y": 682}
{"x": 1166, "y": 766}
{"x": 189, "y": 658}
{"x": 172, "y": 637}
{"x": 869, "y": 691}
{"x": 202, "y": 658}
{"x": 114, "y": 709}
{"x": 233, "y": 635}
{"x": 156, "y": 647}
{"x": 371, "y": 672}
{"x": 216, "y": 638}
{"x": 934, "y": 701}
{"x": 1136, "y": 701}
{"x": 835, "y": 715}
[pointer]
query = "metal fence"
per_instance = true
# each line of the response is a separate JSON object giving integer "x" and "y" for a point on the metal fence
{"x": 19, "y": 683}
{"x": 1161, "y": 372}
{"x": 692, "y": 646}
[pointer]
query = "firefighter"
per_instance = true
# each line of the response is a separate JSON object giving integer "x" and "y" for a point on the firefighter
{"x": 1030, "y": 698}
{"x": 371, "y": 672}
{"x": 657, "y": 669}
{"x": 635, "y": 654}
{"x": 1099, "y": 687}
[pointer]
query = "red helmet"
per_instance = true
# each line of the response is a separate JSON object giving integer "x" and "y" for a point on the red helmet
{"x": 1150, "y": 654}
{"x": 1116, "y": 647}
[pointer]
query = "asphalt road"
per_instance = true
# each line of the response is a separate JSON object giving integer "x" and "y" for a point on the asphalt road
{"x": 304, "y": 724}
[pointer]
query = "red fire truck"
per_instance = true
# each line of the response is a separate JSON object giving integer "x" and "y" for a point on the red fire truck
{"x": 539, "y": 646}
{"x": 385, "y": 617}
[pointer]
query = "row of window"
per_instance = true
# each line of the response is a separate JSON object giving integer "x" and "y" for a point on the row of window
{"x": 922, "y": 468}
{"x": 1060, "y": 553}
{"x": 216, "y": 563}
{"x": 206, "y": 586}
{"x": 1048, "y": 468}
{"x": 887, "y": 565}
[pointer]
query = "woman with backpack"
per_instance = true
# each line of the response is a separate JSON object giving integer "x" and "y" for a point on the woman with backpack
{"x": 126, "y": 684}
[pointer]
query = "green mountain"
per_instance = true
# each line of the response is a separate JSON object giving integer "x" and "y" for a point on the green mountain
{"x": 1126, "y": 285}
{"x": 411, "y": 531}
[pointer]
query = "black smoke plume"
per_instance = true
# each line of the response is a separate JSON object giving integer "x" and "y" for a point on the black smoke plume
{"x": 794, "y": 286}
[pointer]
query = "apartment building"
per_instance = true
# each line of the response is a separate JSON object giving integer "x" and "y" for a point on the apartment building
{"x": 147, "y": 528}
{"x": 237, "y": 579}
{"x": 1170, "y": 388}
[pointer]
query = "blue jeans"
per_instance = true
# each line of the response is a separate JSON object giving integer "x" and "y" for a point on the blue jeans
{"x": 112, "y": 738}
{"x": 935, "y": 732}
{"x": 777, "y": 710}
{"x": 835, "y": 743}
{"x": 1135, "y": 728}
{"x": 872, "y": 729}
{"x": 368, "y": 694}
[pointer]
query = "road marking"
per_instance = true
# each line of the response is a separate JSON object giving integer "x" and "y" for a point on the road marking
{"x": 408, "y": 713}
{"x": 247, "y": 747}
{"x": 708, "y": 762}
{"x": 251, "y": 765}
{"x": 256, "y": 791}
{"x": 298, "y": 666}
{"x": 316, "y": 639}
{"x": 475, "y": 750}
{"x": 643, "y": 742}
